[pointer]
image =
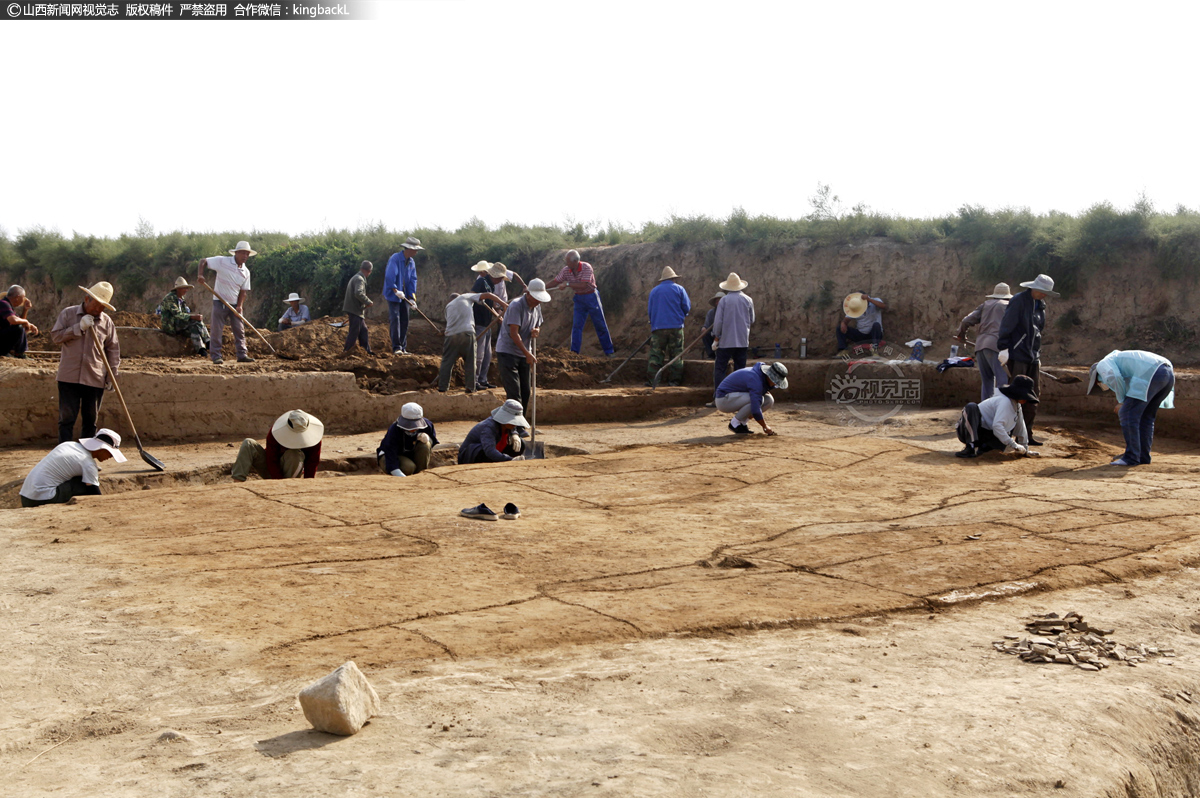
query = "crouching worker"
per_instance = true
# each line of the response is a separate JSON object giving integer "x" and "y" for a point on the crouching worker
{"x": 71, "y": 469}
{"x": 747, "y": 392}
{"x": 995, "y": 422}
{"x": 293, "y": 449}
{"x": 1143, "y": 382}
{"x": 495, "y": 439}
{"x": 406, "y": 447}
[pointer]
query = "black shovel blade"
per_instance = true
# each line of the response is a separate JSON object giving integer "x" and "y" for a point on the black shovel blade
{"x": 152, "y": 461}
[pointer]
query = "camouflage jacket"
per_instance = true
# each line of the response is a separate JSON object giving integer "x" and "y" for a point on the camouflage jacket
{"x": 176, "y": 315}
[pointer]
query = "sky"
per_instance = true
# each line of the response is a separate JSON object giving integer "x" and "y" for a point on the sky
{"x": 614, "y": 112}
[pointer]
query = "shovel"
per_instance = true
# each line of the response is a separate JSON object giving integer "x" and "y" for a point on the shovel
{"x": 631, "y": 357}
{"x": 150, "y": 459}
{"x": 248, "y": 324}
{"x": 657, "y": 374}
{"x": 1066, "y": 379}
{"x": 413, "y": 305}
{"x": 536, "y": 449}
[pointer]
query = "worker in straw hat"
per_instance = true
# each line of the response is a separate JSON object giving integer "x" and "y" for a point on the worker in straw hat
{"x": 296, "y": 314}
{"x": 1143, "y": 382}
{"x": 731, "y": 327}
{"x": 232, "y": 285}
{"x": 987, "y": 352}
{"x": 747, "y": 394}
{"x": 400, "y": 291}
{"x": 408, "y": 443}
{"x": 82, "y": 377}
{"x": 293, "y": 449}
{"x": 668, "y": 307}
{"x": 176, "y": 318}
{"x": 493, "y": 279}
{"x": 71, "y": 469}
{"x": 864, "y": 312}
{"x": 1020, "y": 339}
{"x": 496, "y": 439}
{"x": 997, "y": 423}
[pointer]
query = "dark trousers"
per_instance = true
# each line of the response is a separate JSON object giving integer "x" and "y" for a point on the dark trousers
{"x": 706, "y": 341}
{"x": 1137, "y": 417}
{"x": 514, "y": 376}
{"x": 853, "y": 336}
{"x": 74, "y": 486}
{"x": 357, "y": 333}
{"x": 12, "y": 339}
{"x": 75, "y": 399}
{"x": 398, "y": 325}
{"x": 460, "y": 346}
{"x": 970, "y": 432}
{"x": 721, "y": 364}
{"x": 1034, "y": 372}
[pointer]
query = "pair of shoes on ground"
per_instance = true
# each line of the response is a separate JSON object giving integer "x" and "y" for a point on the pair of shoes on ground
{"x": 485, "y": 513}
{"x": 740, "y": 429}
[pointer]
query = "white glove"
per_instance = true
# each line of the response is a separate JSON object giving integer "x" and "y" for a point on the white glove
{"x": 519, "y": 457}
{"x": 1015, "y": 448}
{"x": 1003, "y": 358}
{"x": 87, "y": 322}
{"x": 396, "y": 472}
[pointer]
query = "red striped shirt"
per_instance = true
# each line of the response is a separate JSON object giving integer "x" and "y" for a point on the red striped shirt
{"x": 584, "y": 278}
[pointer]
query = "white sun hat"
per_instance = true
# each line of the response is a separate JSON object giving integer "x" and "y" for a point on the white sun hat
{"x": 1001, "y": 291}
{"x": 511, "y": 412}
{"x": 296, "y": 429}
{"x": 777, "y": 374}
{"x": 293, "y": 297}
{"x": 101, "y": 292}
{"x": 242, "y": 246}
{"x": 412, "y": 417}
{"x": 537, "y": 288}
{"x": 1043, "y": 283}
{"x": 482, "y": 266}
{"x": 107, "y": 440}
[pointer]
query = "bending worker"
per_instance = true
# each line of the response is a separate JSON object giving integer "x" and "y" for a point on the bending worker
{"x": 747, "y": 392}
{"x": 495, "y": 439}
{"x": 993, "y": 423}
{"x": 71, "y": 469}
{"x": 408, "y": 443}
{"x": 293, "y": 449}
{"x": 1143, "y": 382}
{"x": 582, "y": 278}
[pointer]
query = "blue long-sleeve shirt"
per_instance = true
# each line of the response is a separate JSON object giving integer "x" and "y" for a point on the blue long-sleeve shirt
{"x": 1129, "y": 373}
{"x": 668, "y": 306}
{"x": 480, "y": 444}
{"x": 399, "y": 442}
{"x": 401, "y": 275}
{"x": 749, "y": 380}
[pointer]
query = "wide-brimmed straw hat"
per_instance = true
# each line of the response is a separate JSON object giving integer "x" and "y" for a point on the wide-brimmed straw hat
{"x": 242, "y": 246}
{"x": 717, "y": 297}
{"x": 667, "y": 274}
{"x": 537, "y": 288}
{"x": 854, "y": 305}
{"x": 1043, "y": 283}
{"x": 498, "y": 271}
{"x": 293, "y": 297}
{"x": 777, "y": 374}
{"x": 181, "y": 282}
{"x": 1001, "y": 291}
{"x": 412, "y": 242}
{"x": 412, "y": 417}
{"x": 296, "y": 429}
{"x": 510, "y": 412}
{"x": 1021, "y": 387}
{"x": 101, "y": 292}
{"x": 104, "y": 439}
{"x": 482, "y": 266}
{"x": 733, "y": 283}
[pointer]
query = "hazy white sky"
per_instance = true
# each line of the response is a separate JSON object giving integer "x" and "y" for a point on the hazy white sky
{"x": 594, "y": 112}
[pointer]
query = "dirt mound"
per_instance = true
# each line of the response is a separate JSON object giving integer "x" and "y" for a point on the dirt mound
{"x": 125, "y": 318}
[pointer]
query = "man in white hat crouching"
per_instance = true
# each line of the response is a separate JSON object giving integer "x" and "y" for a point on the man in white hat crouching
{"x": 293, "y": 449}
{"x": 81, "y": 374}
{"x": 233, "y": 283}
{"x": 747, "y": 393}
{"x": 1020, "y": 339}
{"x": 987, "y": 352}
{"x": 409, "y": 441}
{"x": 176, "y": 318}
{"x": 71, "y": 469}
{"x": 495, "y": 439}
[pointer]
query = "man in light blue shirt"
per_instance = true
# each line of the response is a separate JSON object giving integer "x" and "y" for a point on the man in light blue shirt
{"x": 1143, "y": 382}
{"x": 668, "y": 307}
{"x": 400, "y": 290}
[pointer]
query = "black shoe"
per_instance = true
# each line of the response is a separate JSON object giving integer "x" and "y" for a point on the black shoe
{"x": 739, "y": 429}
{"x": 967, "y": 451}
{"x": 246, "y": 359}
{"x": 482, "y": 512}
{"x": 511, "y": 513}
{"x": 20, "y": 355}
{"x": 1033, "y": 442}
{"x": 202, "y": 352}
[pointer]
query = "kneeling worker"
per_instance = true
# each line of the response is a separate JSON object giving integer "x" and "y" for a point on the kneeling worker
{"x": 495, "y": 440}
{"x": 293, "y": 449}
{"x": 71, "y": 470}
{"x": 990, "y": 424}
{"x": 406, "y": 447}
{"x": 747, "y": 392}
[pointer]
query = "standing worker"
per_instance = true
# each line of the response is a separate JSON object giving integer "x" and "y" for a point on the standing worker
{"x": 232, "y": 285}
{"x": 707, "y": 339}
{"x": 493, "y": 280}
{"x": 400, "y": 288}
{"x": 522, "y": 323}
{"x": 356, "y": 304}
{"x": 1021, "y": 337}
{"x": 668, "y": 306}
{"x": 15, "y": 327}
{"x": 731, "y": 327}
{"x": 987, "y": 352}
{"x": 579, "y": 275}
{"x": 1143, "y": 382}
{"x": 178, "y": 319}
{"x": 81, "y": 374}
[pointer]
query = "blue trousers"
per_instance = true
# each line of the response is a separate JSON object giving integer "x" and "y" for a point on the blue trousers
{"x": 588, "y": 305}
{"x": 1137, "y": 417}
{"x": 991, "y": 373}
{"x": 398, "y": 325}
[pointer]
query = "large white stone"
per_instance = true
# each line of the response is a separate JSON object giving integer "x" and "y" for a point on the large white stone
{"x": 341, "y": 702}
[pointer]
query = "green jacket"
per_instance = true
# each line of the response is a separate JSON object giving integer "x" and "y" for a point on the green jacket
{"x": 356, "y": 296}
{"x": 176, "y": 315}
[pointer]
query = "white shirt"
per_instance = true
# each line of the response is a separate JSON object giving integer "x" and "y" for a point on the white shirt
{"x": 1001, "y": 415}
{"x": 67, "y": 460}
{"x": 231, "y": 278}
{"x": 460, "y": 316}
{"x": 870, "y": 316}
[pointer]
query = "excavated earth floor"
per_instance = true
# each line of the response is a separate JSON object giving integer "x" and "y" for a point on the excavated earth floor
{"x": 678, "y": 611}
